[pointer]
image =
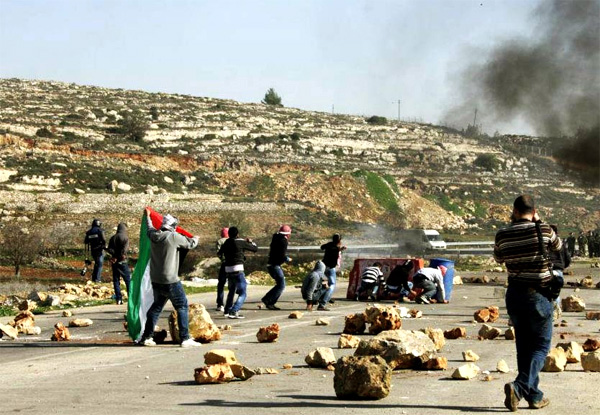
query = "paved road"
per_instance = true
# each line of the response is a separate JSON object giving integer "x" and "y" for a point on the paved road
{"x": 100, "y": 372}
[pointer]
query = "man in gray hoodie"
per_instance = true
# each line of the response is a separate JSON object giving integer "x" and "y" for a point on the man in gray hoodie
{"x": 118, "y": 245}
{"x": 314, "y": 286}
{"x": 166, "y": 244}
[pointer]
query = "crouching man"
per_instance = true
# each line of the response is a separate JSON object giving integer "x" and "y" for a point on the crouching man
{"x": 314, "y": 286}
{"x": 431, "y": 281}
{"x": 164, "y": 269}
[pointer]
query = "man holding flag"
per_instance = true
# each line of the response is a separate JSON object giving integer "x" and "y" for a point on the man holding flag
{"x": 162, "y": 267}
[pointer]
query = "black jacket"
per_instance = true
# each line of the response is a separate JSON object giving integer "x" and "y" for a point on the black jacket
{"x": 94, "y": 238}
{"x": 278, "y": 250}
{"x": 399, "y": 276}
{"x": 233, "y": 251}
{"x": 332, "y": 253}
{"x": 561, "y": 259}
{"x": 118, "y": 244}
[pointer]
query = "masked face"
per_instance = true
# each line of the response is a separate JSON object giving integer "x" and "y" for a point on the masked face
{"x": 169, "y": 222}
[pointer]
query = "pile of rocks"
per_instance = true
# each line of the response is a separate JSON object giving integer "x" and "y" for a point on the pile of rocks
{"x": 221, "y": 367}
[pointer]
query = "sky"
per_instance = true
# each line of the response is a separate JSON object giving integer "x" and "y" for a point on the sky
{"x": 358, "y": 57}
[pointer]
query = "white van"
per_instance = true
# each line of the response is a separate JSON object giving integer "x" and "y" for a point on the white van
{"x": 420, "y": 240}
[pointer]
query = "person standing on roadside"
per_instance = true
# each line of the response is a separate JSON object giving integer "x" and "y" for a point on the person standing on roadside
{"x": 95, "y": 242}
{"x": 331, "y": 258}
{"x": 571, "y": 244}
{"x": 233, "y": 252}
{"x": 582, "y": 243}
{"x": 222, "y": 278}
{"x": 521, "y": 247}
{"x": 165, "y": 246}
{"x": 118, "y": 245}
{"x": 277, "y": 257}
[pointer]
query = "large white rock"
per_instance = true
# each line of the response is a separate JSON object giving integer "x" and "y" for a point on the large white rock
{"x": 591, "y": 361}
{"x": 466, "y": 372}
{"x": 320, "y": 357}
{"x": 401, "y": 349}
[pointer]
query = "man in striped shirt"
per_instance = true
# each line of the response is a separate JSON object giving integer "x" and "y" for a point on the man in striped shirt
{"x": 519, "y": 246}
{"x": 370, "y": 279}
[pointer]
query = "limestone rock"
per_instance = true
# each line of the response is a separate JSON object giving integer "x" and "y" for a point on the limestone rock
{"x": 591, "y": 361}
{"x": 112, "y": 185}
{"x": 457, "y": 280}
{"x": 124, "y": 187}
{"x": 573, "y": 351}
{"x": 587, "y": 282}
{"x": 8, "y": 331}
{"x": 488, "y": 332}
{"x": 38, "y": 296}
{"x": 414, "y": 313}
{"x": 320, "y": 357}
{"x": 592, "y": 315}
{"x": 27, "y": 305}
{"x": 502, "y": 366}
{"x": 382, "y": 318}
{"x": 288, "y": 366}
{"x": 67, "y": 313}
{"x": 355, "y": 323}
{"x": 401, "y": 349}
{"x": 23, "y": 320}
{"x": 213, "y": 374}
{"x": 61, "y": 333}
{"x": 509, "y": 334}
{"x": 242, "y": 372}
{"x": 32, "y": 331}
{"x": 202, "y": 329}
{"x": 80, "y": 322}
{"x": 470, "y": 356}
{"x": 573, "y": 303}
{"x": 268, "y": 334}
{"x": 296, "y": 315}
{"x": 437, "y": 363}
{"x": 52, "y": 300}
{"x": 489, "y": 314}
{"x": 466, "y": 372}
{"x": 322, "y": 322}
{"x": 555, "y": 361}
{"x": 436, "y": 336}
{"x": 266, "y": 371}
{"x": 348, "y": 341}
{"x": 591, "y": 344}
{"x": 455, "y": 333}
{"x": 218, "y": 356}
{"x": 362, "y": 378}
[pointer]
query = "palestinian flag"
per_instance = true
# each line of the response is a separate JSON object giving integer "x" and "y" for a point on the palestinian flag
{"x": 141, "y": 296}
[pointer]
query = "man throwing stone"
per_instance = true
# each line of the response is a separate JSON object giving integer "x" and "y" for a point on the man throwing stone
{"x": 164, "y": 269}
{"x": 519, "y": 247}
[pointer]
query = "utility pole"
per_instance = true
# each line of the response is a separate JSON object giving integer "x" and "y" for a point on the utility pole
{"x": 398, "y": 110}
{"x": 333, "y": 108}
{"x": 475, "y": 118}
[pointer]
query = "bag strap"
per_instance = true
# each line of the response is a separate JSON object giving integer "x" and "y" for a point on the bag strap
{"x": 538, "y": 229}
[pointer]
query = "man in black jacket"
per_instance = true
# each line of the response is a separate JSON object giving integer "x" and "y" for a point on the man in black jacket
{"x": 277, "y": 256}
{"x": 118, "y": 245}
{"x": 331, "y": 258}
{"x": 233, "y": 252}
{"x": 95, "y": 242}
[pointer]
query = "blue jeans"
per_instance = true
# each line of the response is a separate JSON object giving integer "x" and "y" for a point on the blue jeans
{"x": 120, "y": 269}
{"x": 97, "y": 271}
{"x": 531, "y": 315}
{"x": 236, "y": 282}
{"x": 429, "y": 288}
{"x": 274, "y": 293}
{"x": 330, "y": 274}
{"x": 221, "y": 285}
{"x": 163, "y": 292}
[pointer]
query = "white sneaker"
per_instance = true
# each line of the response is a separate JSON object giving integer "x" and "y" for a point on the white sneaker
{"x": 235, "y": 315}
{"x": 148, "y": 342}
{"x": 220, "y": 308}
{"x": 190, "y": 343}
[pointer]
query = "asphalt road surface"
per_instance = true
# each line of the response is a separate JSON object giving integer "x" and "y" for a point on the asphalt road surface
{"x": 101, "y": 372}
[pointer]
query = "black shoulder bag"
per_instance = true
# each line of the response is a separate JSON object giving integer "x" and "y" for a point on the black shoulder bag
{"x": 552, "y": 290}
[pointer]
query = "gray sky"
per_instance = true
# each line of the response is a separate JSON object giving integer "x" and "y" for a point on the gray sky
{"x": 360, "y": 56}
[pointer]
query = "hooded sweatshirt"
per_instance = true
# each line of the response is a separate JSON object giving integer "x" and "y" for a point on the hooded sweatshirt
{"x": 233, "y": 252}
{"x": 118, "y": 245}
{"x": 95, "y": 239}
{"x": 164, "y": 253}
{"x": 278, "y": 249}
{"x": 312, "y": 282}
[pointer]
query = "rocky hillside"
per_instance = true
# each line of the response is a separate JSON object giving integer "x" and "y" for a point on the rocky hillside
{"x": 74, "y": 150}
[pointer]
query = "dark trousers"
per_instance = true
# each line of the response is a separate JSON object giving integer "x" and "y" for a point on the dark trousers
{"x": 175, "y": 293}
{"x": 221, "y": 285}
{"x": 120, "y": 269}
{"x": 371, "y": 289}
{"x": 429, "y": 288}
{"x": 531, "y": 315}
{"x": 98, "y": 262}
{"x": 274, "y": 293}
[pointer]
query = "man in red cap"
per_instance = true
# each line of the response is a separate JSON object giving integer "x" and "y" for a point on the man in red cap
{"x": 222, "y": 274}
{"x": 431, "y": 281}
{"x": 277, "y": 256}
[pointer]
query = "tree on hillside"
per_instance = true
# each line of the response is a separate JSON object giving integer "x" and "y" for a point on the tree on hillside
{"x": 376, "y": 120}
{"x": 20, "y": 246}
{"x": 133, "y": 126}
{"x": 271, "y": 98}
{"x": 154, "y": 113}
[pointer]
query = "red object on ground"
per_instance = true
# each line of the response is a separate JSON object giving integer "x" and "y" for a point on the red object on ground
{"x": 387, "y": 265}
{"x": 157, "y": 218}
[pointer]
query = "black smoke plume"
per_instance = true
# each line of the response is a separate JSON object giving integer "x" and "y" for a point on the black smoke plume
{"x": 550, "y": 81}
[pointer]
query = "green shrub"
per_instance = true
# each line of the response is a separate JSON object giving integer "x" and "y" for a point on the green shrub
{"x": 487, "y": 161}
{"x": 376, "y": 120}
{"x": 44, "y": 132}
{"x": 271, "y": 98}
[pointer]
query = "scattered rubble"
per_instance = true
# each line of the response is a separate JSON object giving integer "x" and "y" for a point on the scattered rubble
{"x": 587, "y": 282}
{"x": 436, "y": 336}
{"x": 220, "y": 373}
{"x": 591, "y": 344}
{"x": 287, "y": 366}
{"x": 266, "y": 371}
{"x": 81, "y": 322}
{"x": 509, "y": 334}
{"x": 321, "y": 357}
{"x": 67, "y": 313}
{"x": 221, "y": 367}
{"x": 268, "y": 334}
{"x": 556, "y": 361}
{"x": 348, "y": 341}
{"x": 242, "y": 372}
{"x": 201, "y": 326}
{"x": 9, "y": 331}
{"x": 592, "y": 315}
{"x": 401, "y": 349}
{"x": 573, "y": 351}
{"x": 591, "y": 361}
{"x": 455, "y": 333}
{"x": 487, "y": 332}
{"x": 218, "y": 356}
{"x": 32, "y": 331}
{"x": 485, "y": 315}
{"x": 23, "y": 321}
{"x": 355, "y": 323}
{"x": 296, "y": 315}
{"x": 322, "y": 322}
{"x": 470, "y": 356}
{"x": 27, "y": 305}
{"x": 61, "y": 333}
{"x": 502, "y": 366}
{"x": 362, "y": 378}
{"x": 382, "y": 318}
{"x": 414, "y": 313}
{"x": 466, "y": 372}
{"x": 436, "y": 363}
{"x": 573, "y": 303}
